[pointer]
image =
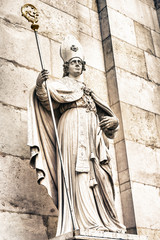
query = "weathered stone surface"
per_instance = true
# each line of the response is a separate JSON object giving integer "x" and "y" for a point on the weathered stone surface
{"x": 15, "y": 83}
{"x": 93, "y": 58}
{"x": 91, "y": 4}
{"x": 129, "y": 57}
{"x": 144, "y": 38}
{"x": 138, "y": 11}
{"x": 84, "y": 21}
{"x": 112, "y": 86}
{"x": 108, "y": 54}
{"x": 140, "y": 125}
{"x": 128, "y": 209}
{"x": 120, "y": 133}
{"x": 20, "y": 45}
{"x": 121, "y": 156}
{"x": 56, "y": 24}
{"x": 19, "y": 189}
{"x": 113, "y": 162}
{"x": 104, "y": 23}
{"x": 56, "y": 60}
{"x": 146, "y": 203}
{"x": 156, "y": 39}
{"x": 153, "y": 66}
{"x": 95, "y": 235}
{"x": 83, "y": 14}
{"x": 95, "y": 25}
{"x": 13, "y": 131}
{"x": 121, "y": 26}
{"x": 133, "y": 90}
{"x": 21, "y": 227}
{"x": 51, "y": 225}
{"x": 68, "y": 6}
{"x": 53, "y": 22}
{"x": 144, "y": 167}
{"x": 152, "y": 234}
{"x": 124, "y": 176}
{"x": 96, "y": 80}
{"x": 101, "y": 4}
{"x": 149, "y": 2}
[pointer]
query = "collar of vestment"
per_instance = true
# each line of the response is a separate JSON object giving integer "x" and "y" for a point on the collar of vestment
{"x": 67, "y": 88}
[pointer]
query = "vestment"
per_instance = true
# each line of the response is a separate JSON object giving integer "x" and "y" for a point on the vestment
{"x": 85, "y": 156}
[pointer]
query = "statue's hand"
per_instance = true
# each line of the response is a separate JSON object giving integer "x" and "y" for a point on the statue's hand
{"x": 43, "y": 76}
{"x": 108, "y": 123}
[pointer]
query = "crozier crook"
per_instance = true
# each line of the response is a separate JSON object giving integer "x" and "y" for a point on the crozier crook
{"x": 31, "y": 14}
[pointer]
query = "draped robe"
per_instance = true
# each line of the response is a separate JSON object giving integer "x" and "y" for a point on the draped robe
{"x": 85, "y": 156}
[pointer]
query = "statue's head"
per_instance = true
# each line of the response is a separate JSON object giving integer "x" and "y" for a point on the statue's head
{"x": 72, "y": 54}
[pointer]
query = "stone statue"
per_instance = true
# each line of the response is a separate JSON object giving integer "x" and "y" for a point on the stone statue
{"x": 83, "y": 121}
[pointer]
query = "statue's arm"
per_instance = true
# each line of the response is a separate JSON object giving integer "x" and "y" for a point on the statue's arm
{"x": 109, "y": 124}
{"x": 41, "y": 91}
{"x": 43, "y": 97}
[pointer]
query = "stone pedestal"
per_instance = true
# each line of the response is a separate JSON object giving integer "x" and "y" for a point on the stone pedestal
{"x": 95, "y": 235}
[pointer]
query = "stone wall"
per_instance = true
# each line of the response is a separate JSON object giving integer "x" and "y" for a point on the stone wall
{"x": 26, "y": 210}
{"x": 123, "y": 62}
{"x": 131, "y": 37}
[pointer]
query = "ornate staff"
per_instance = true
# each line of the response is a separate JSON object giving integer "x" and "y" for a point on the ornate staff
{"x": 31, "y": 14}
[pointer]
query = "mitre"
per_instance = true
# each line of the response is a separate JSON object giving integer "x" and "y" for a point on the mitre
{"x": 71, "y": 48}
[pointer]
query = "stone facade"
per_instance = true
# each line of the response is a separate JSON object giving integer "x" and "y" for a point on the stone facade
{"x": 121, "y": 45}
{"x": 130, "y": 36}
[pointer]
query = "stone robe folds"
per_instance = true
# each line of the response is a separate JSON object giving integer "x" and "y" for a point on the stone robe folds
{"x": 85, "y": 156}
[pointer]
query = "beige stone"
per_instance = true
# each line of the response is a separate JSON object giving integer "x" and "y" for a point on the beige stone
{"x": 83, "y": 14}
{"x": 124, "y": 176}
{"x": 15, "y": 83}
{"x": 128, "y": 209}
{"x": 156, "y": 39}
{"x": 13, "y": 132}
{"x": 91, "y": 4}
{"x": 101, "y": 4}
{"x": 112, "y": 86}
{"x": 144, "y": 38}
{"x": 104, "y": 23}
{"x": 146, "y": 203}
{"x": 56, "y": 60}
{"x": 96, "y": 80}
{"x": 134, "y": 90}
{"x": 56, "y": 24}
{"x": 95, "y": 25}
{"x": 129, "y": 57}
{"x": 144, "y": 167}
{"x": 20, "y": 191}
{"x": 116, "y": 108}
{"x": 152, "y": 234}
{"x": 121, "y": 156}
{"x": 68, "y": 6}
{"x": 84, "y": 21}
{"x": 149, "y": 2}
{"x": 93, "y": 58}
{"x": 139, "y": 125}
{"x": 22, "y": 226}
{"x": 138, "y": 11}
{"x": 51, "y": 224}
{"x": 108, "y": 54}
{"x": 125, "y": 186}
{"x": 153, "y": 67}
{"x": 20, "y": 45}
{"x": 118, "y": 204}
{"x": 121, "y": 26}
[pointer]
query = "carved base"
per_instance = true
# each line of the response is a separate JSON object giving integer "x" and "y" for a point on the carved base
{"x": 98, "y": 235}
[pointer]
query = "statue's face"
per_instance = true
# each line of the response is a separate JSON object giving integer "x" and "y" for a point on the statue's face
{"x": 75, "y": 67}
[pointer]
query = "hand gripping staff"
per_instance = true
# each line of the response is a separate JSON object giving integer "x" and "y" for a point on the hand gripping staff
{"x": 31, "y": 14}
